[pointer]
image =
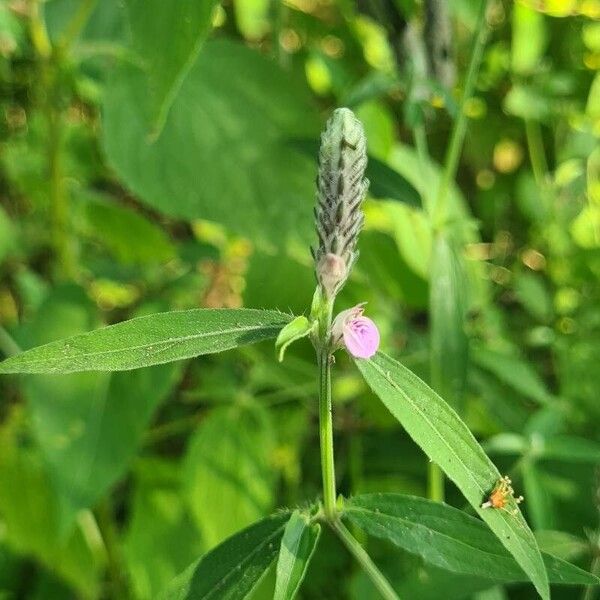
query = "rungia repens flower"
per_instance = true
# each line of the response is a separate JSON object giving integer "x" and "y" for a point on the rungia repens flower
{"x": 341, "y": 188}
{"x": 358, "y": 333}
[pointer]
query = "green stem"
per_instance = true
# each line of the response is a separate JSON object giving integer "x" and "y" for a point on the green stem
{"x": 423, "y": 155}
{"x": 360, "y": 554}
{"x": 76, "y": 25}
{"x": 590, "y": 590}
{"x": 326, "y": 435}
{"x": 435, "y": 483}
{"x": 537, "y": 156}
{"x": 460, "y": 124}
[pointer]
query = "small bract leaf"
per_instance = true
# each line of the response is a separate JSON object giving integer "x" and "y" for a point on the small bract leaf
{"x": 299, "y": 542}
{"x": 297, "y": 329}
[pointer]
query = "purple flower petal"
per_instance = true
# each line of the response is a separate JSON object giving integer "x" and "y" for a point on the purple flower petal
{"x": 361, "y": 337}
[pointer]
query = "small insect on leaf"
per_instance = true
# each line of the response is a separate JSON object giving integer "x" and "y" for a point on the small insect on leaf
{"x": 502, "y": 495}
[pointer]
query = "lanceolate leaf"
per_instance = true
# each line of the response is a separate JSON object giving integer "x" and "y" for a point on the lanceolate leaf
{"x": 297, "y": 547}
{"x": 448, "y": 538}
{"x": 232, "y": 570}
{"x": 439, "y": 431}
{"x": 150, "y": 340}
{"x": 449, "y": 343}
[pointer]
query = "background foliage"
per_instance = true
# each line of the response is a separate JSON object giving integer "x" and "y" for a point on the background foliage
{"x": 161, "y": 155}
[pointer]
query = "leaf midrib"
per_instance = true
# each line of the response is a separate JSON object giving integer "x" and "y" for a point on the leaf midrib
{"x": 168, "y": 342}
{"x": 244, "y": 561}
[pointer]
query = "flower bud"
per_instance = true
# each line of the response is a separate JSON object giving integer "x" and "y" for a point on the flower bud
{"x": 341, "y": 188}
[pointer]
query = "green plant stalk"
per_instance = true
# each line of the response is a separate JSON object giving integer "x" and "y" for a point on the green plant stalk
{"x": 325, "y": 409}
{"x": 360, "y": 554}
{"x": 76, "y": 25}
{"x": 460, "y": 124}
{"x": 423, "y": 156}
{"x": 537, "y": 156}
{"x": 435, "y": 483}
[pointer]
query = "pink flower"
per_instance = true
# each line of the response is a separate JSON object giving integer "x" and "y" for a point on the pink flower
{"x": 359, "y": 334}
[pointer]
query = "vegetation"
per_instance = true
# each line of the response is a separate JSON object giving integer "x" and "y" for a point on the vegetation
{"x": 194, "y": 407}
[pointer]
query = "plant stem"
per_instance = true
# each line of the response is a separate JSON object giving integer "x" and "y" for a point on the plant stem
{"x": 590, "y": 590}
{"x": 359, "y": 553}
{"x": 326, "y": 435}
{"x": 423, "y": 156}
{"x": 460, "y": 124}
{"x": 435, "y": 483}
{"x": 537, "y": 156}
{"x": 76, "y": 24}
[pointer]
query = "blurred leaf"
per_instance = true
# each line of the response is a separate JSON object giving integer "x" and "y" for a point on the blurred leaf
{"x": 561, "y": 544}
{"x": 534, "y": 296}
{"x": 570, "y": 449}
{"x": 167, "y": 56}
{"x": 447, "y": 441}
{"x": 448, "y": 538}
{"x": 151, "y": 340}
{"x": 161, "y": 537}
{"x": 130, "y": 236}
{"x": 7, "y": 235}
{"x": 447, "y": 309}
{"x": 299, "y": 542}
{"x": 222, "y": 154}
{"x": 233, "y": 569}
{"x": 228, "y": 476}
{"x": 539, "y": 502}
{"x": 29, "y": 512}
{"x": 529, "y": 38}
{"x": 514, "y": 371}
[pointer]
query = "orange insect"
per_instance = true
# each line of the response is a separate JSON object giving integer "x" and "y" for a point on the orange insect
{"x": 501, "y": 495}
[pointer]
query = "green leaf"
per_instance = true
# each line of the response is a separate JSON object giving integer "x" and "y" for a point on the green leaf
{"x": 228, "y": 473}
{"x": 232, "y": 570}
{"x": 161, "y": 538}
{"x": 446, "y": 440}
{"x": 529, "y": 39}
{"x": 167, "y": 56}
{"x": 221, "y": 155}
{"x": 385, "y": 182}
{"x": 449, "y": 343}
{"x": 513, "y": 371}
{"x": 299, "y": 542}
{"x": 128, "y": 234}
{"x": 295, "y": 330}
{"x": 448, "y": 538}
{"x": 151, "y": 340}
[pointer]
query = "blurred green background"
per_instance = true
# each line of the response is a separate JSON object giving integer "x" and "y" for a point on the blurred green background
{"x": 161, "y": 155}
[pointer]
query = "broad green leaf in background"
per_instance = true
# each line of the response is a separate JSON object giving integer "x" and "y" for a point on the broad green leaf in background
{"x": 88, "y": 426}
{"x": 228, "y": 476}
{"x": 126, "y": 233}
{"x": 167, "y": 36}
{"x": 513, "y": 371}
{"x": 299, "y": 542}
{"x": 161, "y": 538}
{"x": 222, "y": 154}
{"x": 150, "y": 340}
{"x": 233, "y": 569}
{"x": 442, "y": 435}
{"x": 448, "y": 538}
{"x": 447, "y": 309}
{"x": 29, "y": 513}
{"x": 540, "y": 502}
{"x": 7, "y": 234}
